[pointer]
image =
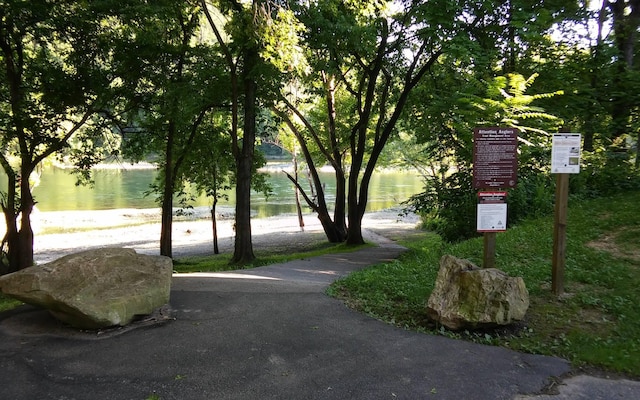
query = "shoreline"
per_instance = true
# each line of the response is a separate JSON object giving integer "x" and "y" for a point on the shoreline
{"x": 271, "y": 166}
{"x": 140, "y": 229}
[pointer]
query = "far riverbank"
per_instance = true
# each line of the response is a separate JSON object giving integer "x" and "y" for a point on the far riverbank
{"x": 129, "y": 189}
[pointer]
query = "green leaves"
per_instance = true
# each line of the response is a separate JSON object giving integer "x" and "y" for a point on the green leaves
{"x": 508, "y": 104}
{"x": 280, "y": 40}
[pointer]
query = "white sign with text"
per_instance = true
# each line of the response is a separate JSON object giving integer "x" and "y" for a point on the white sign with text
{"x": 565, "y": 153}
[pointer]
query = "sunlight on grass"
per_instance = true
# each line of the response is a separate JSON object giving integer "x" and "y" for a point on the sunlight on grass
{"x": 221, "y": 262}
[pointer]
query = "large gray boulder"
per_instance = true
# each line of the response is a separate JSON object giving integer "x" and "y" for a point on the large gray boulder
{"x": 468, "y": 297}
{"x": 95, "y": 289}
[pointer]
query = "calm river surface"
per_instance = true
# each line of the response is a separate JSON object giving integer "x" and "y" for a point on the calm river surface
{"x": 115, "y": 189}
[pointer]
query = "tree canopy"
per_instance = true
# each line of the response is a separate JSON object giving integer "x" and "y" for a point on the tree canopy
{"x": 59, "y": 83}
{"x": 356, "y": 83}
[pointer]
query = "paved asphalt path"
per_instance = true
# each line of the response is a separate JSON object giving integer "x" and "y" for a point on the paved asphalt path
{"x": 271, "y": 333}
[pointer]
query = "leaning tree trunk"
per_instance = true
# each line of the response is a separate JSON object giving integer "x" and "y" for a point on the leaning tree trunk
{"x": 335, "y": 231}
{"x": 331, "y": 230}
{"x": 297, "y": 194}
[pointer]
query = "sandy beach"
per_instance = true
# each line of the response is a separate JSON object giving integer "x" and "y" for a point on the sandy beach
{"x": 191, "y": 235}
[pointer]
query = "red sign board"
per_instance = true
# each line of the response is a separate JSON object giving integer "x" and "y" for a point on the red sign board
{"x": 495, "y": 158}
{"x": 492, "y": 197}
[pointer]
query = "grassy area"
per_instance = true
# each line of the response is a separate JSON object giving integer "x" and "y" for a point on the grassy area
{"x": 7, "y": 303}
{"x": 597, "y": 322}
{"x": 220, "y": 262}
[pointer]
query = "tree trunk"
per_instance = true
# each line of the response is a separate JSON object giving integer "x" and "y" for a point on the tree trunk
{"x": 595, "y": 71}
{"x": 339, "y": 212}
{"x": 334, "y": 235}
{"x": 297, "y": 194}
{"x": 358, "y": 204}
{"x": 335, "y": 230}
{"x": 10, "y": 244}
{"x": 24, "y": 238}
{"x": 243, "y": 249}
{"x": 167, "y": 197}
{"x": 10, "y": 240}
{"x": 166, "y": 222}
{"x": 626, "y": 19}
{"x": 511, "y": 56}
{"x": 354, "y": 233}
{"x": 214, "y": 226}
{"x": 331, "y": 230}
{"x": 637, "y": 163}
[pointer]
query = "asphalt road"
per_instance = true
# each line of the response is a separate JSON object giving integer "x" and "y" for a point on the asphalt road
{"x": 272, "y": 333}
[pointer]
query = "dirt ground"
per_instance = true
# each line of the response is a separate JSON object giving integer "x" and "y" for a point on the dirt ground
{"x": 74, "y": 231}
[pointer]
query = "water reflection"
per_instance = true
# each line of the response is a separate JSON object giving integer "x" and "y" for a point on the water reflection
{"x": 116, "y": 189}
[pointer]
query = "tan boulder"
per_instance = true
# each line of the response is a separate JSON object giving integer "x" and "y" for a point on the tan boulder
{"x": 95, "y": 288}
{"x": 468, "y": 297}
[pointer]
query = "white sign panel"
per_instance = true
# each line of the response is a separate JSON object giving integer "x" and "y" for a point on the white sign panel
{"x": 565, "y": 153}
{"x": 492, "y": 217}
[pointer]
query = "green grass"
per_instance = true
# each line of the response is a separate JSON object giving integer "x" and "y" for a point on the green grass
{"x": 221, "y": 262}
{"x": 596, "y": 324}
{"x": 7, "y": 303}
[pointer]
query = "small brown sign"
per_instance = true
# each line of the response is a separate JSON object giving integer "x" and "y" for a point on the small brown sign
{"x": 495, "y": 158}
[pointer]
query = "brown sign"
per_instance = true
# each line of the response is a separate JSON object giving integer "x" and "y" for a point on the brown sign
{"x": 495, "y": 158}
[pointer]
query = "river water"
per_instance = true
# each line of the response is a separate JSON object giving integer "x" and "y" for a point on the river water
{"x": 125, "y": 188}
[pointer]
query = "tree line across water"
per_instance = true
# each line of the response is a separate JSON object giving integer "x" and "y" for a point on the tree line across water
{"x": 196, "y": 85}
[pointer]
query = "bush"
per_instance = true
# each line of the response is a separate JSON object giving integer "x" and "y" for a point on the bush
{"x": 605, "y": 173}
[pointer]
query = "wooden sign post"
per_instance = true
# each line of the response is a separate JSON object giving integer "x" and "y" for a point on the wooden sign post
{"x": 495, "y": 166}
{"x": 565, "y": 160}
{"x": 489, "y": 250}
{"x": 560, "y": 234}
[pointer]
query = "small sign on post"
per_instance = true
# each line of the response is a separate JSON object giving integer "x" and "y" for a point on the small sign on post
{"x": 492, "y": 218}
{"x": 495, "y": 167}
{"x": 565, "y": 160}
{"x": 565, "y": 153}
{"x": 492, "y": 211}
